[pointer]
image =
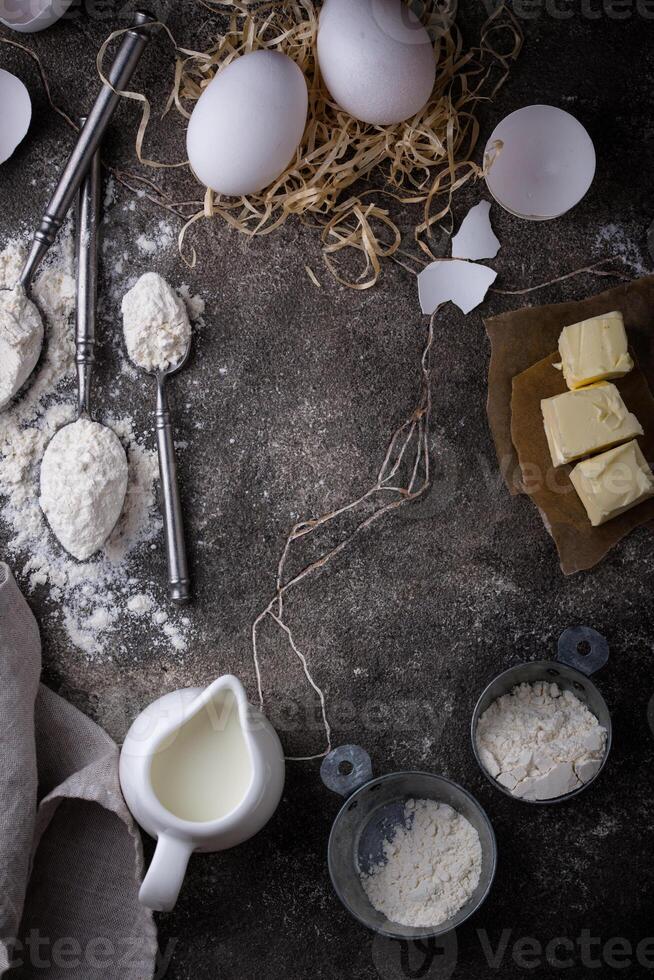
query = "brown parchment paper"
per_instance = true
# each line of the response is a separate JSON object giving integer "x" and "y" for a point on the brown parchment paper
{"x": 580, "y": 545}
{"x": 523, "y": 337}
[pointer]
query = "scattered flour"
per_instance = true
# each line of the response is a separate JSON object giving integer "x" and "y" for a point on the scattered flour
{"x": 90, "y": 600}
{"x": 163, "y": 237}
{"x": 140, "y": 604}
{"x": 432, "y": 866}
{"x": 540, "y": 742}
{"x": 194, "y": 304}
{"x": 614, "y": 239}
{"x": 83, "y": 485}
{"x": 21, "y": 339}
{"x": 156, "y": 323}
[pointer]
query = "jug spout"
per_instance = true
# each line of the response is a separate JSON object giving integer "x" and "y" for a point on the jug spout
{"x": 165, "y": 875}
{"x": 205, "y": 768}
{"x": 209, "y": 698}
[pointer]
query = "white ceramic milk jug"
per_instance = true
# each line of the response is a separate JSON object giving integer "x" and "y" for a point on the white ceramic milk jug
{"x": 200, "y": 771}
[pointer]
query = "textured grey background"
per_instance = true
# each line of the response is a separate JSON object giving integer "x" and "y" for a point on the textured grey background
{"x": 430, "y": 603}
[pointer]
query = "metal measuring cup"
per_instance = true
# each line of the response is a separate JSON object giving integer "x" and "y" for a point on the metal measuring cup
{"x": 581, "y": 651}
{"x": 372, "y": 810}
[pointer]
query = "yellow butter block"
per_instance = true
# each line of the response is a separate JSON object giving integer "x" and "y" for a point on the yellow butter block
{"x": 614, "y": 482}
{"x": 585, "y": 421}
{"x": 594, "y": 350}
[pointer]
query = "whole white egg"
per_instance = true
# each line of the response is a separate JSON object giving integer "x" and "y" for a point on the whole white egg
{"x": 376, "y": 59}
{"x": 248, "y": 123}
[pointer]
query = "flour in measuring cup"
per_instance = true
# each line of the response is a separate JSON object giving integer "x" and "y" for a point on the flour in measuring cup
{"x": 431, "y": 866}
{"x": 540, "y": 742}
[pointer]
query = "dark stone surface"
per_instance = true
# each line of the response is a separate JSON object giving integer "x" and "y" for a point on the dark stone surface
{"x": 430, "y": 603}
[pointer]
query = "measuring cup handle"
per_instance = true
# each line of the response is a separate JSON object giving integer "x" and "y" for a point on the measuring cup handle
{"x": 345, "y": 769}
{"x": 583, "y": 648}
{"x": 165, "y": 875}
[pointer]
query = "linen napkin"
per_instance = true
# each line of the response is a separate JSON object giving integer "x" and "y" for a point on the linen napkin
{"x": 70, "y": 853}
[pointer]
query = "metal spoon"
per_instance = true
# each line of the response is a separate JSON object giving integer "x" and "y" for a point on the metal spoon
{"x": 179, "y": 583}
{"x": 88, "y": 220}
{"x": 86, "y": 256}
{"x": 88, "y": 140}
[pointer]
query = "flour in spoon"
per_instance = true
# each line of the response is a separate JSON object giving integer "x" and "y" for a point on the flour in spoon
{"x": 155, "y": 323}
{"x": 21, "y": 339}
{"x": 99, "y": 608}
{"x": 83, "y": 485}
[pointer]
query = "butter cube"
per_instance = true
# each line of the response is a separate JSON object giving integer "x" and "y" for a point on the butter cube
{"x": 585, "y": 421}
{"x": 594, "y": 350}
{"x": 614, "y": 482}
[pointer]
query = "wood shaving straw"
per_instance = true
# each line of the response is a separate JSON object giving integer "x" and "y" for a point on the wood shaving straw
{"x": 422, "y": 161}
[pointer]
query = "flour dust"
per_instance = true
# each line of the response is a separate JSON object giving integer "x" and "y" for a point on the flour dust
{"x": 99, "y": 600}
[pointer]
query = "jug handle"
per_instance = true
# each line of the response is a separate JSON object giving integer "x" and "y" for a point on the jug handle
{"x": 165, "y": 875}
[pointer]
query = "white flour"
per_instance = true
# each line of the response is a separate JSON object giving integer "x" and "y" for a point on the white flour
{"x": 156, "y": 324}
{"x": 83, "y": 485}
{"x": 618, "y": 240}
{"x": 90, "y": 601}
{"x": 21, "y": 339}
{"x": 432, "y": 866}
{"x": 540, "y": 742}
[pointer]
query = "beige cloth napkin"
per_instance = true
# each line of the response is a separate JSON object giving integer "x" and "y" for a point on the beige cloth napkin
{"x": 70, "y": 866}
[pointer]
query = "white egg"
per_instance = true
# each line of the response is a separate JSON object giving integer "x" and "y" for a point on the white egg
{"x": 248, "y": 123}
{"x": 376, "y": 59}
{"x": 15, "y": 113}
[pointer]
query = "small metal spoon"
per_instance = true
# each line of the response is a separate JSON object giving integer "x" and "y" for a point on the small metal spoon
{"x": 88, "y": 221}
{"x": 89, "y": 138}
{"x": 179, "y": 583}
{"x": 86, "y": 258}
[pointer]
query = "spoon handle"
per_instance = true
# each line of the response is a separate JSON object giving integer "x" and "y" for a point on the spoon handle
{"x": 86, "y": 247}
{"x": 90, "y": 136}
{"x": 179, "y": 584}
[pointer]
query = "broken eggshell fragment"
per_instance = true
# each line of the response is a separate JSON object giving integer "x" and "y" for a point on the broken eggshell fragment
{"x": 15, "y": 113}
{"x": 463, "y": 283}
{"x": 475, "y": 238}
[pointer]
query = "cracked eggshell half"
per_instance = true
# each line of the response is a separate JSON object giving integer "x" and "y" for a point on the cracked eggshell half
{"x": 30, "y": 16}
{"x": 248, "y": 123}
{"x": 15, "y": 113}
{"x": 540, "y": 162}
{"x": 376, "y": 59}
